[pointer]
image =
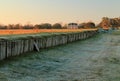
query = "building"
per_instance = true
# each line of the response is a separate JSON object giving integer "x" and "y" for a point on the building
{"x": 72, "y": 26}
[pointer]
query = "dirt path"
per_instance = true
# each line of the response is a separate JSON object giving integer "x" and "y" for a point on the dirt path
{"x": 95, "y": 59}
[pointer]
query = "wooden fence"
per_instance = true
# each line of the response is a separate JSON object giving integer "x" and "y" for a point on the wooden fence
{"x": 19, "y": 46}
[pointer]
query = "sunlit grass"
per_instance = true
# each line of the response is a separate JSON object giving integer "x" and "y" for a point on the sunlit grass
{"x": 23, "y": 31}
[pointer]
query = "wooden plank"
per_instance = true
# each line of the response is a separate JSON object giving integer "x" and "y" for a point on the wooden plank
{"x": 13, "y": 49}
{"x": 22, "y": 46}
{"x": 8, "y": 47}
{"x": 2, "y": 50}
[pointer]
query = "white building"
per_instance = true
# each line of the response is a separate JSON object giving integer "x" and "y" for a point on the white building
{"x": 72, "y": 26}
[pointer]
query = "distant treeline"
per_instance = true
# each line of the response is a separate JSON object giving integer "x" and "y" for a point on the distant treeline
{"x": 30, "y": 26}
{"x": 105, "y": 23}
{"x": 45, "y": 26}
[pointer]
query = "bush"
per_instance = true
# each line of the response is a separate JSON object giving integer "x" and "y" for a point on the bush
{"x": 28, "y": 27}
{"x": 46, "y": 26}
{"x": 57, "y": 26}
{"x": 3, "y": 27}
{"x": 90, "y": 25}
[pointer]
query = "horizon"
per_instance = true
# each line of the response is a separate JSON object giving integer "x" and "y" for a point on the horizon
{"x": 56, "y": 11}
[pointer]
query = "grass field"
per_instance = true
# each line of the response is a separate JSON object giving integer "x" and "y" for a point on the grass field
{"x": 117, "y": 32}
{"x": 17, "y": 33}
{"x": 94, "y": 59}
{"x": 32, "y": 31}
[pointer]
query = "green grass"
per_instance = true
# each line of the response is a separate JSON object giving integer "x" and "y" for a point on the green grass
{"x": 116, "y": 32}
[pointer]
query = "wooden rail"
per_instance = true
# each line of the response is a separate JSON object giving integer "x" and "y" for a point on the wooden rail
{"x": 14, "y": 47}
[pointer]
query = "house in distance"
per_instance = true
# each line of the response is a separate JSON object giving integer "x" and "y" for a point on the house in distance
{"x": 72, "y": 26}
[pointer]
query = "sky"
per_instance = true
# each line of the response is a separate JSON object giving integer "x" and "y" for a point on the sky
{"x": 57, "y": 11}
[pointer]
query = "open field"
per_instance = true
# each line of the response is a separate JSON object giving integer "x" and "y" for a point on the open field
{"x": 40, "y": 34}
{"x": 31, "y": 31}
{"x": 94, "y": 59}
{"x": 12, "y": 34}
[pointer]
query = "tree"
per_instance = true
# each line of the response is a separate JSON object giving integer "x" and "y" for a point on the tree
{"x": 17, "y": 26}
{"x": 46, "y": 26}
{"x": 89, "y": 25}
{"x": 10, "y": 26}
{"x": 28, "y": 27}
{"x": 105, "y": 22}
{"x": 64, "y": 27}
{"x": 38, "y": 26}
{"x": 110, "y": 22}
{"x": 3, "y": 27}
{"x": 82, "y": 25}
{"x": 57, "y": 26}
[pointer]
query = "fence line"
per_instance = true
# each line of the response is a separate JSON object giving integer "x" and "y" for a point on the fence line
{"x": 19, "y": 46}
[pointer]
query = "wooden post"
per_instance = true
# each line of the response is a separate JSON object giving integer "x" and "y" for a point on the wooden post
{"x": 9, "y": 49}
{"x": 2, "y": 50}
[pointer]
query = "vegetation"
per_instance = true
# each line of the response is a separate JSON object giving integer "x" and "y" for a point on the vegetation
{"x": 33, "y": 31}
{"x": 95, "y": 59}
{"x": 57, "y": 26}
{"x": 110, "y": 22}
{"x": 87, "y": 25}
{"x": 117, "y": 32}
{"x": 105, "y": 23}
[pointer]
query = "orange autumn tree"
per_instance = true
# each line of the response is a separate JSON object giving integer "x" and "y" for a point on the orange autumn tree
{"x": 110, "y": 22}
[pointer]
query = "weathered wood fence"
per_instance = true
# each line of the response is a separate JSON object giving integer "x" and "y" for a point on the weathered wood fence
{"x": 19, "y": 46}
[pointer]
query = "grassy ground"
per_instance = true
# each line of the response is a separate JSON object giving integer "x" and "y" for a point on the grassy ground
{"x": 43, "y": 32}
{"x": 29, "y": 31}
{"x": 94, "y": 59}
{"x": 117, "y": 32}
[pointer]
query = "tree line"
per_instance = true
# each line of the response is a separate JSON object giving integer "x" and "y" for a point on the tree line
{"x": 105, "y": 23}
{"x": 30, "y": 26}
{"x": 46, "y": 26}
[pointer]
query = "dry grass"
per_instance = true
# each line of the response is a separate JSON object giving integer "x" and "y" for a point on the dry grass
{"x": 31, "y": 31}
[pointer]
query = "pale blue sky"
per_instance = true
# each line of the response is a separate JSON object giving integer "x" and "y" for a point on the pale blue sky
{"x": 53, "y": 11}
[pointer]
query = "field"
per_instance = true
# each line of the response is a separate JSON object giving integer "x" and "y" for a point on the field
{"x": 11, "y": 34}
{"x": 32, "y": 31}
{"x": 94, "y": 59}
